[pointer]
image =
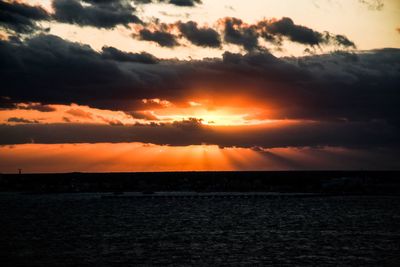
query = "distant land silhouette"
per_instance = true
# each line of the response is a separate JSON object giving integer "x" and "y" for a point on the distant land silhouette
{"x": 322, "y": 182}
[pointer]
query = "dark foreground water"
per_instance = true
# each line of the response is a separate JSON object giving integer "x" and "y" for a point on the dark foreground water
{"x": 84, "y": 229}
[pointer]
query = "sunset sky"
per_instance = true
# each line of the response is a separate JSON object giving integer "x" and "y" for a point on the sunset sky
{"x": 178, "y": 85}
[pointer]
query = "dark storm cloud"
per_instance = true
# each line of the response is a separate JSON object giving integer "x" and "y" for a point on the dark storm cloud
{"x": 340, "y": 40}
{"x": 236, "y": 31}
{"x": 239, "y": 33}
{"x": 21, "y": 18}
{"x": 353, "y": 98}
{"x": 333, "y": 87}
{"x": 206, "y": 37}
{"x": 183, "y": 3}
{"x": 162, "y": 38}
{"x": 192, "y": 132}
{"x": 96, "y": 13}
{"x": 7, "y": 104}
{"x": 164, "y": 34}
{"x": 191, "y": 124}
{"x": 69, "y": 72}
{"x": 272, "y": 29}
{"x": 296, "y": 33}
{"x": 118, "y": 55}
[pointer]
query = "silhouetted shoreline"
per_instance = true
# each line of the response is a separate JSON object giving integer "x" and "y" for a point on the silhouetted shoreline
{"x": 317, "y": 182}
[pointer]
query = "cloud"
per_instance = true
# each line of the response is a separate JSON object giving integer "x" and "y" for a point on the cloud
{"x": 66, "y": 119}
{"x": 79, "y": 113}
{"x": 143, "y": 115}
{"x": 118, "y": 55}
{"x": 191, "y": 124}
{"x": 192, "y": 132}
{"x": 20, "y": 17}
{"x": 274, "y": 30}
{"x": 23, "y": 18}
{"x": 5, "y": 103}
{"x": 111, "y": 122}
{"x": 237, "y": 32}
{"x": 167, "y": 35}
{"x": 373, "y": 4}
{"x": 163, "y": 38}
{"x": 100, "y": 14}
{"x": 115, "y": 123}
{"x": 182, "y": 3}
{"x": 21, "y": 120}
{"x": 337, "y": 86}
{"x": 340, "y": 40}
{"x": 64, "y": 66}
{"x": 286, "y": 27}
{"x": 36, "y": 106}
{"x": 206, "y": 37}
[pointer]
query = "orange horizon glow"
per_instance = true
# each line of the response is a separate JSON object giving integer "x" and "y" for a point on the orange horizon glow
{"x": 141, "y": 157}
{"x": 122, "y": 157}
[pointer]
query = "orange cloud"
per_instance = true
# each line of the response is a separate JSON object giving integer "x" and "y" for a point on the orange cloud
{"x": 79, "y": 113}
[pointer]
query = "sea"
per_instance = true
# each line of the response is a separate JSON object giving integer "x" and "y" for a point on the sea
{"x": 93, "y": 229}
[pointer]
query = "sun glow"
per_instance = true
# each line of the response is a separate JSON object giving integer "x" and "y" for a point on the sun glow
{"x": 210, "y": 118}
{"x": 149, "y": 111}
{"x": 237, "y": 111}
{"x": 137, "y": 157}
{"x": 123, "y": 157}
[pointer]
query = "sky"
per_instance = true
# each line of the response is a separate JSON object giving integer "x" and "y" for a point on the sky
{"x": 193, "y": 85}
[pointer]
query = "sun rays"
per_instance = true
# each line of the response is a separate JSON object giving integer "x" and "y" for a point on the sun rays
{"x": 140, "y": 157}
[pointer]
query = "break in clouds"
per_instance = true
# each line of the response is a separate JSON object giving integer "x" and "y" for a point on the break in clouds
{"x": 344, "y": 98}
{"x": 340, "y": 85}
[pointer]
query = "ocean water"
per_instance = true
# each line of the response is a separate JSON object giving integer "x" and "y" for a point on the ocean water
{"x": 87, "y": 230}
